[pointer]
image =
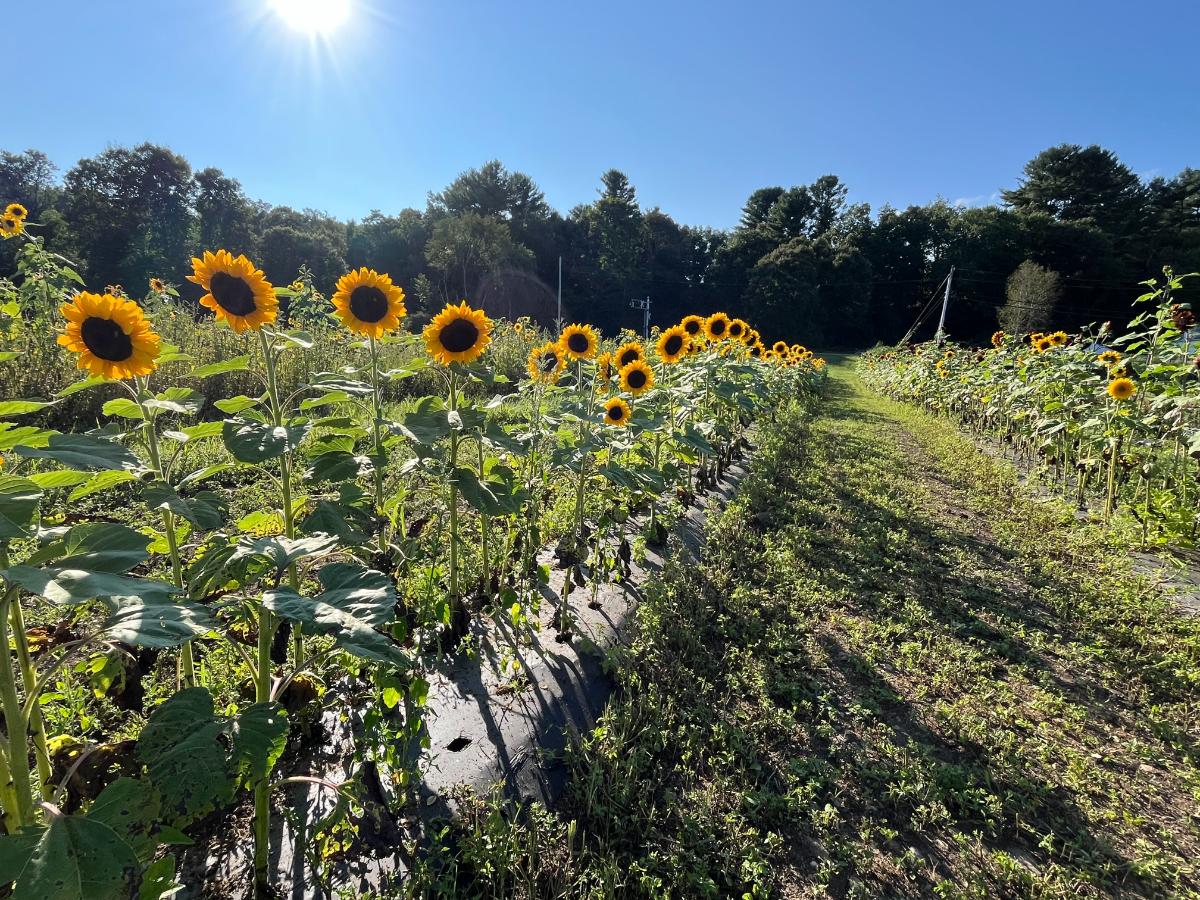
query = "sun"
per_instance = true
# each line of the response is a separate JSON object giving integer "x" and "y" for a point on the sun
{"x": 313, "y": 17}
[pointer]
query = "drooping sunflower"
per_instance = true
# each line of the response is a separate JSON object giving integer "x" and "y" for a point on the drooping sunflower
{"x": 672, "y": 344}
{"x": 11, "y": 226}
{"x": 604, "y": 367}
{"x": 110, "y": 335}
{"x": 998, "y": 338}
{"x": 637, "y": 377}
{"x": 236, "y": 291}
{"x": 738, "y": 330}
{"x": 716, "y": 327}
{"x": 1058, "y": 338}
{"x": 627, "y": 353}
{"x": 458, "y": 334}
{"x": 1121, "y": 388}
{"x": 546, "y": 363}
{"x": 617, "y": 412}
{"x": 579, "y": 341}
{"x": 16, "y": 211}
{"x": 1109, "y": 358}
{"x": 693, "y": 325}
{"x": 368, "y": 303}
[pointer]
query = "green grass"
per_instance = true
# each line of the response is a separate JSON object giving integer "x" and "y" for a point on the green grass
{"x": 894, "y": 673}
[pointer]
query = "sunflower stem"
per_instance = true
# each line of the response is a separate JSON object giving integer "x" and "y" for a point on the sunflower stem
{"x": 377, "y": 430}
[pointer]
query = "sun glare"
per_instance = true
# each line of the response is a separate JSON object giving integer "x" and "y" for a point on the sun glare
{"x": 313, "y": 16}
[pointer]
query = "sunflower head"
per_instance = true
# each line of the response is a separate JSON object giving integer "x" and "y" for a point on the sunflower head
{"x": 757, "y": 349}
{"x": 693, "y": 325}
{"x": 10, "y": 226}
{"x": 545, "y": 363}
{"x": 998, "y": 338}
{"x": 158, "y": 286}
{"x": 368, "y": 303}
{"x": 579, "y": 341}
{"x": 16, "y": 211}
{"x": 1121, "y": 388}
{"x": 110, "y": 336}
{"x": 518, "y": 327}
{"x": 1036, "y": 336}
{"x": 1109, "y": 358}
{"x": 604, "y": 367}
{"x": 738, "y": 330}
{"x": 458, "y": 334}
{"x": 236, "y": 291}
{"x": 672, "y": 344}
{"x": 716, "y": 327}
{"x": 779, "y": 347}
{"x": 637, "y": 377}
{"x": 818, "y": 364}
{"x": 1043, "y": 344}
{"x": 1058, "y": 338}
{"x": 617, "y": 412}
{"x": 627, "y": 353}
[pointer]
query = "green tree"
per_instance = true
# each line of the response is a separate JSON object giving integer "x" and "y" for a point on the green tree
{"x": 1033, "y": 293}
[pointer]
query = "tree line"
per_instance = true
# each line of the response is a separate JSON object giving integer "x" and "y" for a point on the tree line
{"x": 1068, "y": 244}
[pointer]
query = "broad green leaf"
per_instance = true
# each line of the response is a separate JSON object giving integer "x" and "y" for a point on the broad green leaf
{"x": 349, "y": 524}
{"x": 259, "y": 738}
{"x": 19, "y": 498}
{"x": 14, "y": 435}
{"x": 255, "y": 442}
{"x": 73, "y": 586}
{"x": 182, "y": 400}
{"x": 83, "y": 385}
{"x": 101, "y": 481}
{"x": 130, "y": 808}
{"x": 233, "y": 405}
{"x": 367, "y": 594}
{"x": 158, "y": 621}
{"x": 205, "y": 510}
{"x": 196, "y": 432}
{"x": 349, "y": 632}
{"x": 427, "y": 424}
{"x": 78, "y": 858}
{"x": 281, "y": 552}
{"x": 236, "y": 364}
{"x": 59, "y": 478}
{"x": 21, "y": 407}
{"x": 123, "y": 407}
{"x": 84, "y": 451}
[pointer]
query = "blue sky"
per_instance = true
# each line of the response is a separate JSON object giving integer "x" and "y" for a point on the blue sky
{"x": 699, "y": 103}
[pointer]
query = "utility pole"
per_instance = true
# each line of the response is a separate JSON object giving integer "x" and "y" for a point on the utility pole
{"x": 558, "y": 321}
{"x": 643, "y": 305}
{"x": 941, "y": 329}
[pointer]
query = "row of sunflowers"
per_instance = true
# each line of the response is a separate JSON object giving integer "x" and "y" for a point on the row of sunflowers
{"x": 1111, "y": 418}
{"x": 263, "y": 555}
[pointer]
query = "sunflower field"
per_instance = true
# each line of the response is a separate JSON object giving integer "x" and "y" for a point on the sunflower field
{"x": 1112, "y": 419}
{"x": 297, "y": 501}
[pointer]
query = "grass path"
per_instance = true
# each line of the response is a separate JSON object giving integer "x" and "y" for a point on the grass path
{"x": 895, "y": 673}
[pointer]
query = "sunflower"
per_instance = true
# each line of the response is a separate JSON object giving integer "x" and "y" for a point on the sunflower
{"x": 458, "y": 334}
{"x": 1109, "y": 358}
{"x": 368, "y": 303}
{"x": 1121, "y": 388}
{"x": 779, "y": 347}
{"x": 672, "y": 344}
{"x": 111, "y": 336}
{"x": 604, "y": 367}
{"x": 518, "y": 327}
{"x": 693, "y": 325}
{"x": 716, "y": 327}
{"x": 818, "y": 364}
{"x": 1120, "y": 370}
{"x": 237, "y": 292}
{"x": 998, "y": 338}
{"x": 10, "y": 226}
{"x": 757, "y": 349}
{"x": 1043, "y": 344}
{"x": 617, "y": 412}
{"x": 158, "y": 285}
{"x": 627, "y": 353}
{"x": 1036, "y": 336}
{"x": 637, "y": 377}
{"x": 579, "y": 341}
{"x": 16, "y": 211}
{"x": 1058, "y": 338}
{"x": 738, "y": 330}
{"x": 545, "y": 363}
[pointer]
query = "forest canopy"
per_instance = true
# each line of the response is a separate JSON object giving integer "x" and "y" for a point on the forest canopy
{"x": 802, "y": 263}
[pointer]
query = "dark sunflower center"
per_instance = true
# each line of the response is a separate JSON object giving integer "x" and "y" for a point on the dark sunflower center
{"x": 578, "y": 343}
{"x": 549, "y": 362}
{"x": 627, "y": 357}
{"x": 718, "y": 327}
{"x": 106, "y": 339}
{"x": 692, "y": 327}
{"x": 673, "y": 344}
{"x": 636, "y": 379}
{"x": 617, "y": 413}
{"x": 232, "y": 294}
{"x": 459, "y": 336}
{"x": 368, "y": 303}
{"x": 735, "y": 329}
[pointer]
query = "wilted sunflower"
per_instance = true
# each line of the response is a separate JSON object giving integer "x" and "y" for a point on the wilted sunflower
{"x": 368, "y": 303}
{"x": 579, "y": 341}
{"x": 111, "y": 336}
{"x": 545, "y": 363}
{"x": 604, "y": 367}
{"x": 693, "y": 325}
{"x": 1058, "y": 338}
{"x": 672, "y": 344}
{"x": 237, "y": 291}
{"x": 716, "y": 327}
{"x": 1109, "y": 358}
{"x": 458, "y": 334}
{"x": 16, "y": 211}
{"x": 1043, "y": 344}
{"x": 10, "y": 226}
{"x": 627, "y": 353}
{"x": 617, "y": 412}
{"x": 738, "y": 330}
{"x": 1121, "y": 388}
{"x": 637, "y": 377}
{"x": 998, "y": 338}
